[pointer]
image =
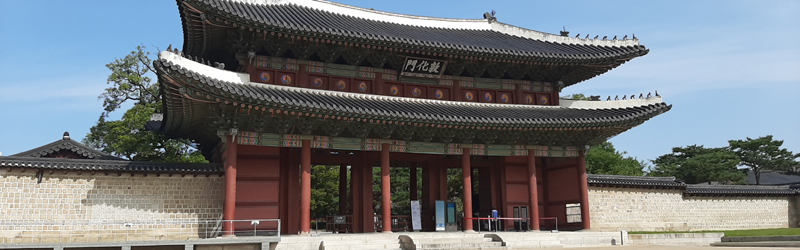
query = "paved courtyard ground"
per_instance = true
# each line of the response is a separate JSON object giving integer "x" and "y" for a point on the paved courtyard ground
{"x": 650, "y": 247}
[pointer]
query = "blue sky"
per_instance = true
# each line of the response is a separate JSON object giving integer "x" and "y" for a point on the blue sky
{"x": 730, "y": 68}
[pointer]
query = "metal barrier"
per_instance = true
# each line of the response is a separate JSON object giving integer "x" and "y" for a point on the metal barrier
{"x": 57, "y": 232}
{"x": 496, "y": 221}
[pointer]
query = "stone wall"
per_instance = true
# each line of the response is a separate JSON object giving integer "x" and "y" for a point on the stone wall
{"x": 80, "y": 207}
{"x": 638, "y": 209}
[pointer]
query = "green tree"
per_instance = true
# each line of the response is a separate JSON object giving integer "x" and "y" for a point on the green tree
{"x": 580, "y": 97}
{"x": 127, "y": 138}
{"x": 324, "y": 191}
{"x": 763, "y": 153}
{"x": 696, "y": 164}
{"x": 605, "y": 159}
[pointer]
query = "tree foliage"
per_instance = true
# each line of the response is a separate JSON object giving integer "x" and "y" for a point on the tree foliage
{"x": 696, "y": 164}
{"x": 324, "y": 191}
{"x": 605, "y": 159}
{"x": 763, "y": 153}
{"x": 127, "y": 138}
{"x": 580, "y": 97}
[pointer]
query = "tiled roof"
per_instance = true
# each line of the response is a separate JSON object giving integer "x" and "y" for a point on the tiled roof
{"x": 643, "y": 181}
{"x": 109, "y": 165}
{"x": 738, "y": 190}
{"x": 773, "y": 178}
{"x": 66, "y": 143}
{"x": 401, "y": 108}
{"x": 328, "y": 19}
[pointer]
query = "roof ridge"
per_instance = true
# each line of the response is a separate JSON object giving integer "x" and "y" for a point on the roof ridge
{"x": 440, "y": 22}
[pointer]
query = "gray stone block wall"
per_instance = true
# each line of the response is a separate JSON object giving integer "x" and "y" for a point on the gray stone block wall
{"x": 94, "y": 206}
{"x": 638, "y": 209}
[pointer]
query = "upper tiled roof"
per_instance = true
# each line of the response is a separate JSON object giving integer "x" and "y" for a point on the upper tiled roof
{"x": 715, "y": 190}
{"x": 66, "y": 143}
{"x": 457, "y": 35}
{"x": 622, "y": 180}
{"x": 402, "y": 108}
{"x": 109, "y": 165}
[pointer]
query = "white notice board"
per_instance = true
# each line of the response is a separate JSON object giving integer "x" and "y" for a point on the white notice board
{"x": 416, "y": 212}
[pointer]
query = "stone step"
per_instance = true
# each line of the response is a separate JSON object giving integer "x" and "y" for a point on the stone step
{"x": 361, "y": 247}
{"x": 484, "y": 245}
{"x": 453, "y": 240}
{"x": 297, "y": 246}
{"x": 361, "y": 242}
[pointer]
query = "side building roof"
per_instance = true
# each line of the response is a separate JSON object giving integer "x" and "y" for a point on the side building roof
{"x": 690, "y": 189}
{"x": 634, "y": 181}
{"x": 109, "y": 165}
{"x": 69, "y": 145}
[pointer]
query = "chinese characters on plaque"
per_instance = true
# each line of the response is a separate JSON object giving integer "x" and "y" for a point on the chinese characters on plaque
{"x": 419, "y": 67}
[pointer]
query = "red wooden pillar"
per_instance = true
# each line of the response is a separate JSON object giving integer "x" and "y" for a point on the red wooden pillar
{"x": 532, "y": 190}
{"x": 342, "y": 189}
{"x": 466, "y": 173}
{"x": 386, "y": 202}
{"x": 367, "y": 209}
{"x": 413, "y": 182}
{"x": 584, "y": 190}
{"x": 305, "y": 188}
{"x": 230, "y": 184}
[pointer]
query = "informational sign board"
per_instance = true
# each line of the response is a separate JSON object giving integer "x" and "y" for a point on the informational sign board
{"x": 416, "y": 212}
{"x": 339, "y": 219}
{"x": 439, "y": 215}
{"x": 421, "y": 67}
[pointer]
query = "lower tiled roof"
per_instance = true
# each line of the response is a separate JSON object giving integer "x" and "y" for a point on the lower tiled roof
{"x": 402, "y": 108}
{"x": 109, "y": 165}
{"x": 738, "y": 190}
{"x": 643, "y": 181}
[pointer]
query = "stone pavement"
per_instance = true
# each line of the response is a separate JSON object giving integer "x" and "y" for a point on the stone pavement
{"x": 652, "y": 247}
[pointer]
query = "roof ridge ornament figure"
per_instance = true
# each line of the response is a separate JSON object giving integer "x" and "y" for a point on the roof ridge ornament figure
{"x": 66, "y": 136}
{"x": 490, "y": 16}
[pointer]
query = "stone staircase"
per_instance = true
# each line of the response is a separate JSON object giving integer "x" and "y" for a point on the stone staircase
{"x": 340, "y": 242}
{"x": 544, "y": 239}
{"x": 446, "y": 241}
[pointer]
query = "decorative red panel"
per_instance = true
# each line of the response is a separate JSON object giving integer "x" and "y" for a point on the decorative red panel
{"x": 263, "y": 76}
{"x": 339, "y": 84}
{"x": 529, "y": 98}
{"x": 394, "y": 89}
{"x": 286, "y": 79}
{"x": 563, "y": 185}
{"x": 318, "y": 82}
{"x": 517, "y": 192}
{"x": 469, "y": 95}
{"x": 543, "y": 99}
{"x": 439, "y": 93}
{"x": 504, "y": 97}
{"x": 486, "y": 96}
{"x": 416, "y": 91}
{"x": 361, "y": 86}
{"x": 516, "y": 173}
